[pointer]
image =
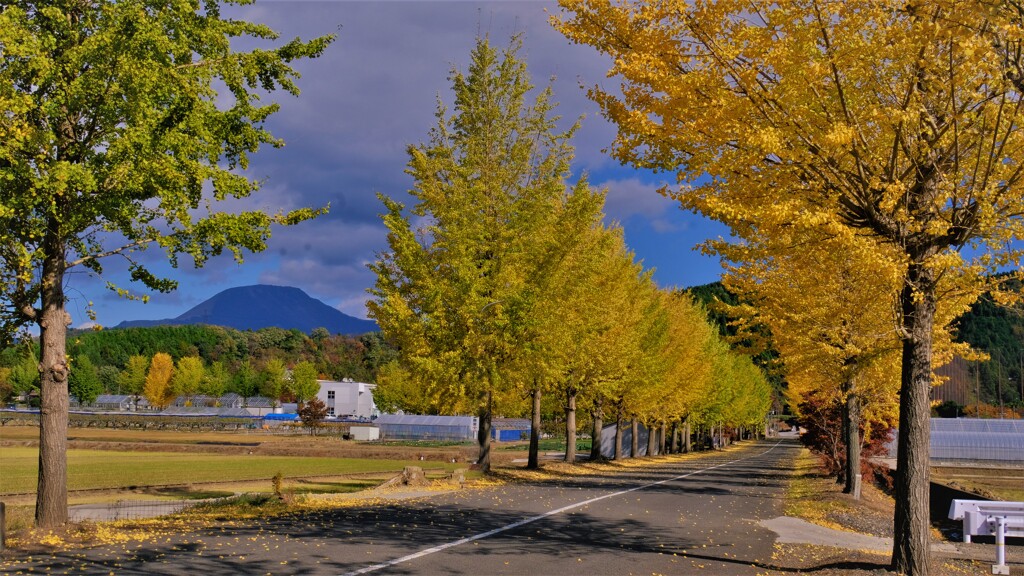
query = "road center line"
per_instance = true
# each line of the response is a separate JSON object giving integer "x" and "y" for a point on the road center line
{"x": 532, "y": 519}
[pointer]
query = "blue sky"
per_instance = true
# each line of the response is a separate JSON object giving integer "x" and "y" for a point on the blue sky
{"x": 362, "y": 104}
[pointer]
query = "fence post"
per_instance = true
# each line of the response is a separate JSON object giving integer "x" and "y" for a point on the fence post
{"x": 3, "y": 527}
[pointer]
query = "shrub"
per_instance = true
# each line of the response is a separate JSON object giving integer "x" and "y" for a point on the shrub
{"x": 823, "y": 421}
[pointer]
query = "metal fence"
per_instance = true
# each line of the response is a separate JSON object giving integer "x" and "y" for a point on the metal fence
{"x": 133, "y": 509}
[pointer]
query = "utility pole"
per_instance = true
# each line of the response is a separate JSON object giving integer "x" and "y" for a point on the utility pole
{"x": 977, "y": 388}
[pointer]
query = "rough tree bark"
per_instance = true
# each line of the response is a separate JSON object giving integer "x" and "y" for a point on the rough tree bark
{"x": 851, "y": 428}
{"x": 652, "y": 440}
{"x": 533, "y": 461}
{"x": 484, "y": 437}
{"x": 51, "y": 490}
{"x": 686, "y": 435}
{"x": 634, "y": 441}
{"x": 595, "y": 436}
{"x": 662, "y": 437}
{"x": 570, "y": 426}
{"x": 910, "y": 544}
{"x": 675, "y": 437}
{"x": 618, "y": 435}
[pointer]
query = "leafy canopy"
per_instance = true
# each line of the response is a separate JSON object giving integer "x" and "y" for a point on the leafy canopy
{"x": 125, "y": 123}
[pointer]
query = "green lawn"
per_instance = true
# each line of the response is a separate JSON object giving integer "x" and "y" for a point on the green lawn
{"x": 110, "y": 469}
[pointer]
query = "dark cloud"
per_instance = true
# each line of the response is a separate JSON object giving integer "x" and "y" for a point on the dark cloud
{"x": 372, "y": 94}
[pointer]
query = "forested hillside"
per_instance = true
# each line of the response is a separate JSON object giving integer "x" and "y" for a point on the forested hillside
{"x": 998, "y": 331}
{"x": 229, "y": 360}
{"x": 989, "y": 327}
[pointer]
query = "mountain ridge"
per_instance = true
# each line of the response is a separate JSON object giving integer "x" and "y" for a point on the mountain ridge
{"x": 264, "y": 306}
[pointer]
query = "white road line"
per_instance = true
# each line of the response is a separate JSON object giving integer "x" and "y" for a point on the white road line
{"x": 533, "y": 519}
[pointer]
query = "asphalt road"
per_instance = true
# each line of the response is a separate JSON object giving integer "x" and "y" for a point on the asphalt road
{"x": 680, "y": 517}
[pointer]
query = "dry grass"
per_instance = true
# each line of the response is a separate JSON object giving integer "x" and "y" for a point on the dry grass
{"x": 995, "y": 483}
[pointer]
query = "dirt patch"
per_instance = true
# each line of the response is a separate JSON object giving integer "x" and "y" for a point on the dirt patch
{"x": 820, "y": 499}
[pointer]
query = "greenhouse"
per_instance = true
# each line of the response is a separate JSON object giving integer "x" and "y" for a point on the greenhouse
{"x": 977, "y": 440}
{"x": 416, "y": 427}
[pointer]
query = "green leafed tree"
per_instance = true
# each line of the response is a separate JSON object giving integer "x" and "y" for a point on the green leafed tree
{"x": 83, "y": 382}
{"x": 125, "y": 123}
{"x": 246, "y": 381}
{"x": 457, "y": 294}
{"x": 215, "y": 380}
{"x": 132, "y": 379}
{"x": 25, "y": 374}
{"x": 272, "y": 379}
{"x": 303, "y": 383}
{"x": 188, "y": 376}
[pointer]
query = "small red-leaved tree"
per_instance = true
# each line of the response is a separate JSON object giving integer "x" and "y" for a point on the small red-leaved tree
{"x": 823, "y": 421}
{"x": 312, "y": 414}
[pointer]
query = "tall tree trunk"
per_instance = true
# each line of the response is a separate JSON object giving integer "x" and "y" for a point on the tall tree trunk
{"x": 595, "y": 435}
{"x": 851, "y": 426}
{"x": 652, "y": 440}
{"x": 634, "y": 439}
{"x": 675, "y": 437}
{"x": 484, "y": 460}
{"x": 662, "y": 437}
{"x": 686, "y": 435}
{"x": 910, "y": 543}
{"x": 570, "y": 426}
{"x": 52, "y": 487}
{"x": 533, "y": 461}
{"x": 618, "y": 434}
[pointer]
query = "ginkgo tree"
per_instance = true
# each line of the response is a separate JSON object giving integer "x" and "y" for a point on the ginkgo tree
{"x": 458, "y": 290}
{"x": 596, "y": 330}
{"x": 124, "y": 124}
{"x": 829, "y": 321}
{"x": 898, "y": 120}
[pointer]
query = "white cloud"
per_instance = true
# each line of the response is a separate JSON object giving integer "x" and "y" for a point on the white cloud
{"x": 632, "y": 197}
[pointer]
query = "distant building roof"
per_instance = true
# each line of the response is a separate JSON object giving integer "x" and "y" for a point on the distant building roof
{"x": 258, "y": 402}
{"x": 510, "y": 423}
{"x": 206, "y": 411}
{"x": 112, "y": 398}
{"x": 233, "y": 412}
{"x": 190, "y": 411}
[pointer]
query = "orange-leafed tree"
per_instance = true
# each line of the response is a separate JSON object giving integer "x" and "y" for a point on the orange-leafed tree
{"x": 158, "y": 388}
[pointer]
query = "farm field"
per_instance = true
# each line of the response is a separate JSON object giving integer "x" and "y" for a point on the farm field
{"x": 108, "y": 465}
{"x": 1000, "y": 483}
{"x": 255, "y": 442}
{"x": 106, "y": 469}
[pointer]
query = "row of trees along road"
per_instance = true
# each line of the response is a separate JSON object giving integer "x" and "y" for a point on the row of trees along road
{"x": 507, "y": 285}
{"x": 123, "y": 126}
{"x": 890, "y": 123}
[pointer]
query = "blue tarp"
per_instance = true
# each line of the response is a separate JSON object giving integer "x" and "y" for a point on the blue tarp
{"x": 511, "y": 435}
{"x": 286, "y": 417}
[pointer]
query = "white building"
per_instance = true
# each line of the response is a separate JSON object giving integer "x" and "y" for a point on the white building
{"x": 348, "y": 399}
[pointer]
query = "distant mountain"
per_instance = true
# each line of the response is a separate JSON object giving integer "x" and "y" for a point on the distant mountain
{"x": 263, "y": 306}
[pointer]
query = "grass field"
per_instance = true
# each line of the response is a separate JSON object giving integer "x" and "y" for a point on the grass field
{"x": 999, "y": 483}
{"x": 101, "y": 469}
